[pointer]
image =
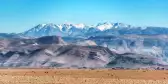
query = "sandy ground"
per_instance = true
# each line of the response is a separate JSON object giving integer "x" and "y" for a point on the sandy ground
{"x": 79, "y": 76}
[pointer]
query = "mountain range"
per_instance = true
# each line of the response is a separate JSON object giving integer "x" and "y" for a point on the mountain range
{"x": 82, "y": 30}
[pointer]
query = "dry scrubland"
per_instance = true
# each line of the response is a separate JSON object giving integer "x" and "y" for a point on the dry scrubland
{"x": 74, "y": 76}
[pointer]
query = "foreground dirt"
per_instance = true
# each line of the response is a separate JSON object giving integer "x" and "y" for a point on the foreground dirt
{"x": 79, "y": 76}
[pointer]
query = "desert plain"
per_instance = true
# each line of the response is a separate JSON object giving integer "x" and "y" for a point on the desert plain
{"x": 82, "y": 76}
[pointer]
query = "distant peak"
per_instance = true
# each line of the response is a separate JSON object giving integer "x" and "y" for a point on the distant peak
{"x": 50, "y": 24}
{"x": 44, "y": 25}
{"x": 40, "y": 25}
{"x": 103, "y": 23}
{"x": 120, "y": 25}
{"x": 104, "y": 26}
{"x": 81, "y": 25}
{"x": 67, "y": 23}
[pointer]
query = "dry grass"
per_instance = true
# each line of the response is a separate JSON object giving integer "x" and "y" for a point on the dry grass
{"x": 72, "y": 76}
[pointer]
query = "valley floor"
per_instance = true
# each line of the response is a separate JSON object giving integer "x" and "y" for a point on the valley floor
{"x": 82, "y": 76}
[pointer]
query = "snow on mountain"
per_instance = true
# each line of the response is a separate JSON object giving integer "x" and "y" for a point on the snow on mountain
{"x": 43, "y": 30}
{"x": 69, "y": 29}
{"x": 82, "y": 30}
{"x": 42, "y": 25}
{"x": 104, "y": 26}
{"x": 79, "y": 25}
{"x": 67, "y": 25}
{"x": 53, "y": 29}
{"x": 120, "y": 25}
{"x": 108, "y": 25}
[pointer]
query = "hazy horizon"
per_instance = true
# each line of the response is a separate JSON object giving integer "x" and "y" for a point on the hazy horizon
{"x": 20, "y": 15}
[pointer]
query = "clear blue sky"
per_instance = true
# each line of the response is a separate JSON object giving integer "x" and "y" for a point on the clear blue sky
{"x": 20, "y": 15}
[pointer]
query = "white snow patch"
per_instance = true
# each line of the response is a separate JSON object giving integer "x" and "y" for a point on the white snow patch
{"x": 104, "y": 26}
{"x": 59, "y": 26}
{"x": 42, "y": 25}
{"x": 79, "y": 25}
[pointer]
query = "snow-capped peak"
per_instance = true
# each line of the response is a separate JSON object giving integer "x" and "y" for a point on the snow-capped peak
{"x": 79, "y": 25}
{"x": 104, "y": 26}
{"x": 42, "y": 25}
{"x": 67, "y": 25}
{"x": 51, "y": 25}
{"x": 120, "y": 25}
{"x": 59, "y": 26}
